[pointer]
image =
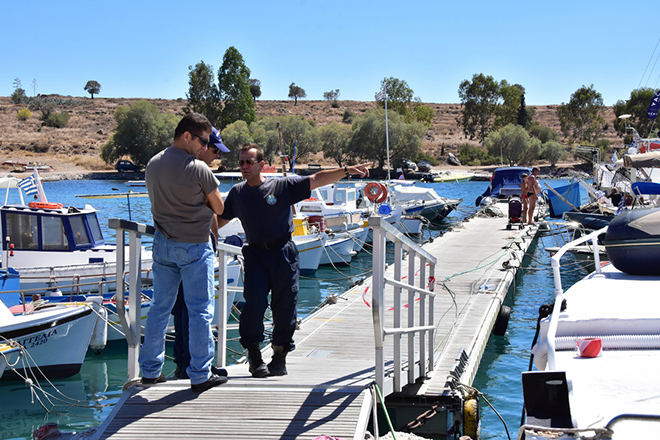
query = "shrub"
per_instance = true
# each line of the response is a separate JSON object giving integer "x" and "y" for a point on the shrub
{"x": 348, "y": 117}
{"x": 18, "y": 96}
{"x": 23, "y": 114}
{"x": 57, "y": 120}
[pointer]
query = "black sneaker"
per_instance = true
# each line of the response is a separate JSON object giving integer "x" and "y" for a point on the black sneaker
{"x": 180, "y": 373}
{"x": 213, "y": 381}
{"x": 159, "y": 379}
{"x": 218, "y": 371}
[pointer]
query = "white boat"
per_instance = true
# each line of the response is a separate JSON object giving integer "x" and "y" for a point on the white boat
{"x": 448, "y": 176}
{"x": 598, "y": 350}
{"x": 9, "y": 353}
{"x": 55, "y": 337}
{"x": 415, "y": 200}
{"x": 338, "y": 249}
{"x": 50, "y": 244}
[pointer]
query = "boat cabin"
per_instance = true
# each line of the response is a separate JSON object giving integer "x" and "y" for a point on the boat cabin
{"x": 35, "y": 229}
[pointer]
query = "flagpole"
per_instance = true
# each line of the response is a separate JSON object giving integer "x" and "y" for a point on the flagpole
{"x": 387, "y": 140}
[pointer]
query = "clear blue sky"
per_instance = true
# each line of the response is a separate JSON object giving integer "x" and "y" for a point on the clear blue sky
{"x": 142, "y": 49}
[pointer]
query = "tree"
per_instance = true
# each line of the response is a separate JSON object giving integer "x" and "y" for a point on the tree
{"x": 524, "y": 118}
{"x": 202, "y": 93}
{"x": 233, "y": 136}
{"x": 93, "y": 88}
{"x": 553, "y": 152}
{"x": 582, "y": 117}
{"x": 234, "y": 89}
{"x": 636, "y": 107}
{"x": 368, "y": 139}
{"x": 511, "y": 142}
{"x": 508, "y": 106}
{"x": 296, "y": 92}
{"x": 400, "y": 99}
{"x": 335, "y": 142}
{"x": 142, "y": 131}
{"x": 479, "y": 99}
{"x": 18, "y": 95}
{"x": 332, "y": 95}
{"x": 255, "y": 89}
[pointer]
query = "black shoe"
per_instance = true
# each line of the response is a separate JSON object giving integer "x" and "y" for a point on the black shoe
{"x": 277, "y": 366}
{"x": 159, "y": 379}
{"x": 218, "y": 371}
{"x": 180, "y": 373}
{"x": 257, "y": 367}
{"x": 213, "y": 381}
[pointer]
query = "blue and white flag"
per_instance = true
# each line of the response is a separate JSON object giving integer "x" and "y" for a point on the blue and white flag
{"x": 29, "y": 185}
{"x": 652, "y": 112}
{"x": 614, "y": 157}
{"x": 381, "y": 95}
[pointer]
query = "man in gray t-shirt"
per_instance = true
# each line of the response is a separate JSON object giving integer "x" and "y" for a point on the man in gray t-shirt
{"x": 184, "y": 195}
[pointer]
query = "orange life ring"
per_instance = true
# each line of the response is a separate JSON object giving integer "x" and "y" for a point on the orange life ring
{"x": 311, "y": 199}
{"x": 376, "y": 192}
{"x": 41, "y": 205}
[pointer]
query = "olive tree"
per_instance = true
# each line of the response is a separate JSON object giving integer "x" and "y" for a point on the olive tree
{"x": 636, "y": 106}
{"x": 142, "y": 131}
{"x": 582, "y": 117}
{"x": 296, "y": 92}
{"x": 335, "y": 139}
{"x": 513, "y": 143}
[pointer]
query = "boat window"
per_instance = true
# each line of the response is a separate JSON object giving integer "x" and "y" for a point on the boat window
{"x": 350, "y": 196}
{"x": 340, "y": 198}
{"x": 324, "y": 194}
{"x": 53, "y": 234}
{"x": 22, "y": 231}
{"x": 79, "y": 231}
{"x": 93, "y": 223}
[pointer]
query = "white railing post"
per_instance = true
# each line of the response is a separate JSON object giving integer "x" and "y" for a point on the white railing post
{"x": 378, "y": 295}
{"x": 411, "y": 317}
{"x": 398, "y": 362}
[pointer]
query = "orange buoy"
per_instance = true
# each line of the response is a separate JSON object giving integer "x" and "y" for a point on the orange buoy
{"x": 376, "y": 192}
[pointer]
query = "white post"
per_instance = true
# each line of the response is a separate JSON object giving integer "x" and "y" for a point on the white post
{"x": 387, "y": 139}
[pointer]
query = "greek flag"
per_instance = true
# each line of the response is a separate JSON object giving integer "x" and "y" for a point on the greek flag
{"x": 28, "y": 185}
{"x": 614, "y": 157}
{"x": 652, "y": 112}
{"x": 381, "y": 95}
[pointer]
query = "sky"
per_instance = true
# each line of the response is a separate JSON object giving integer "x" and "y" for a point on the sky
{"x": 143, "y": 48}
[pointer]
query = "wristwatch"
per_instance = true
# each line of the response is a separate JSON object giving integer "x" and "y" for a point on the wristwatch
{"x": 346, "y": 171}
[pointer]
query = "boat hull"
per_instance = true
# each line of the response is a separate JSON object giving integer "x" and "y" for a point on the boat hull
{"x": 633, "y": 242}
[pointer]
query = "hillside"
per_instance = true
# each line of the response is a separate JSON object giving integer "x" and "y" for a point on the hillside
{"x": 76, "y": 148}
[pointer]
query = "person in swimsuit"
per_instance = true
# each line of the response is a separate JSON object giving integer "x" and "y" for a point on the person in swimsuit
{"x": 523, "y": 196}
{"x": 533, "y": 189}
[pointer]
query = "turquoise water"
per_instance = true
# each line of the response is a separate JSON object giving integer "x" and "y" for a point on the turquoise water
{"x": 84, "y": 400}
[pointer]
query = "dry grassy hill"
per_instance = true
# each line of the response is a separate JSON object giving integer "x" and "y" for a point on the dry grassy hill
{"x": 76, "y": 147}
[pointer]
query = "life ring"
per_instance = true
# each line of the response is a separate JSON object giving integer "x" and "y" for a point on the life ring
{"x": 375, "y": 192}
{"x": 41, "y": 205}
{"x": 311, "y": 199}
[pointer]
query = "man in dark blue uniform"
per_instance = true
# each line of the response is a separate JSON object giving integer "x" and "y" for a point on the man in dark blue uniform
{"x": 271, "y": 258}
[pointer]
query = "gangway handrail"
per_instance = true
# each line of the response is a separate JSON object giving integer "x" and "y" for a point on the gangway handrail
{"x": 131, "y": 323}
{"x": 420, "y": 324}
{"x": 559, "y": 292}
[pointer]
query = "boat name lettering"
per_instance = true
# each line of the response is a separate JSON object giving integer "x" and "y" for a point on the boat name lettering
{"x": 39, "y": 339}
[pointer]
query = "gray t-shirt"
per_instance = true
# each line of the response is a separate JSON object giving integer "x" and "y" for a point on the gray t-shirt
{"x": 178, "y": 183}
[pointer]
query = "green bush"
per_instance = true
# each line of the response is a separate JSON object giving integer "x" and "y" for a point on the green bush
{"x": 348, "y": 117}
{"x": 18, "y": 96}
{"x": 475, "y": 156}
{"x": 57, "y": 120}
{"x": 23, "y": 114}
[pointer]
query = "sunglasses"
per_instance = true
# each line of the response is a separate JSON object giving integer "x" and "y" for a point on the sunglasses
{"x": 242, "y": 162}
{"x": 202, "y": 140}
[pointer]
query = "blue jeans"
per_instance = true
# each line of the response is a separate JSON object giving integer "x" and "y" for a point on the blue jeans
{"x": 191, "y": 264}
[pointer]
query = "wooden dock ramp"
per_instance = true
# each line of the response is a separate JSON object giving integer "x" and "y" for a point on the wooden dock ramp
{"x": 330, "y": 386}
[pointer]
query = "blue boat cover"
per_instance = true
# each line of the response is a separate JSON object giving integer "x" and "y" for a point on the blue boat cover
{"x": 505, "y": 183}
{"x": 570, "y": 192}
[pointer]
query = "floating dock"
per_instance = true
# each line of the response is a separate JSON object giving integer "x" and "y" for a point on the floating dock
{"x": 331, "y": 386}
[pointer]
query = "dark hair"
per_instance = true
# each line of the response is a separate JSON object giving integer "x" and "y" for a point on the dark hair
{"x": 251, "y": 145}
{"x": 195, "y": 123}
{"x": 536, "y": 169}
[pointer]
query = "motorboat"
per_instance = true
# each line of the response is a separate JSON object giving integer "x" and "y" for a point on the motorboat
{"x": 415, "y": 200}
{"x": 504, "y": 183}
{"x": 54, "y": 337}
{"x": 598, "y": 348}
{"x": 50, "y": 244}
{"x": 9, "y": 354}
{"x": 448, "y": 176}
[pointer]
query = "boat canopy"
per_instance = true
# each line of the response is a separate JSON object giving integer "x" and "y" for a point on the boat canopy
{"x": 643, "y": 160}
{"x": 504, "y": 183}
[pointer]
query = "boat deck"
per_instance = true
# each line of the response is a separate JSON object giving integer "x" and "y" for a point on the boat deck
{"x": 328, "y": 390}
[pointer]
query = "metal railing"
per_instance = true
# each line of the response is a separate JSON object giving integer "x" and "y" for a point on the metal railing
{"x": 131, "y": 321}
{"x": 559, "y": 291}
{"x": 419, "y": 325}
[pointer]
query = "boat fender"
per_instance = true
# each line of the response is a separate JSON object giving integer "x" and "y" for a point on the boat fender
{"x": 376, "y": 192}
{"x": 471, "y": 418}
{"x": 100, "y": 333}
{"x": 502, "y": 320}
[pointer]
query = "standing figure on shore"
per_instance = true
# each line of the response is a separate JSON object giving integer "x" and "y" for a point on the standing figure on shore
{"x": 523, "y": 196}
{"x": 184, "y": 195}
{"x": 180, "y": 311}
{"x": 533, "y": 190}
{"x": 270, "y": 257}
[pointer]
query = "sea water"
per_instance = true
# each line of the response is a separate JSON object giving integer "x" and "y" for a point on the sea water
{"x": 86, "y": 399}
